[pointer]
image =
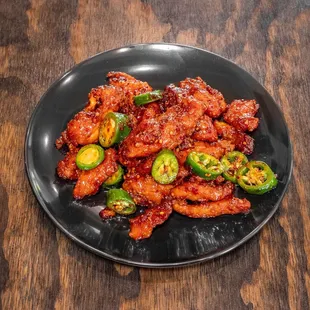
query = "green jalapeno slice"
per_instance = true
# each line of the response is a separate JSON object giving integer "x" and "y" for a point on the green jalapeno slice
{"x": 204, "y": 165}
{"x": 113, "y": 129}
{"x": 115, "y": 178}
{"x": 256, "y": 177}
{"x": 148, "y": 97}
{"x": 120, "y": 201}
{"x": 89, "y": 156}
{"x": 231, "y": 162}
{"x": 165, "y": 167}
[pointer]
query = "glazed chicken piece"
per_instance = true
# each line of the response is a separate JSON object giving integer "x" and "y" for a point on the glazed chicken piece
{"x": 145, "y": 191}
{"x": 231, "y": 205}
{"x": 67, "y": 168}
{"x": 240, "y": 114}
{"x": 243, "y": 142}
{"x": 212, "y": 98}
{"x": 205, "y": 130}
{"x": 107, "y": 213}
{"x": 167, "y": 130}
{"x": 105, "y": 98}
{"x": 84, "y": 127}
{"x": 89, "y": 181}
{"x": 202, "y": 191}
{"x": 131, "y": 87}
{"x": 171, "y": 96}
{"x": 142, "y": 226}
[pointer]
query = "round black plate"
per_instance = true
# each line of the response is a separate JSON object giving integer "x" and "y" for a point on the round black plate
{"x": 181, "y": 240}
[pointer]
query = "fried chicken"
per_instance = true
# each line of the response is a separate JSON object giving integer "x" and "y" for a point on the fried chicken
{"x": 205, "y": 130}
{"x": 145, "y": 191}
{"x": 212, "y": 98}
{"x": 89, "y": 181}
{"x": 202, "y": 191}
{"x": 131, "y": 87}
{"x": 107, "y": 213}
{"x": 240, "y": 114}
{"x": 67, "y": 168}
{"x": 230, "y": 205}
{"x": 243, "y": 142}
{"x": 142, "y": 226}
{"x": 182, "y": 121}
{"x": 167, "y": 130}
{"x": 84, "y": 127}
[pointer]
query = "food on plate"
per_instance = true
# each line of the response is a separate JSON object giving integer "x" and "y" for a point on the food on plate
{"x": 89, "y": 181}
{"x": 231, "y": 162}
{"x": 89, "y": 157}
{"x": 232, "y": 205}
{"x": 148, "y": 97}
{"x": 256, "y": 177}
{"x": 120, "y": 201}
{"x": 165, "y": 167}
{"x": 182, "y": 149}
{"x": 113, "y": 129}
{"x": 204, "y": 165}
{"x": 115, "y": 178}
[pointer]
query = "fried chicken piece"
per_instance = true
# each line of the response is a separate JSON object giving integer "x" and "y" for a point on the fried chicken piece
{"x": 89, "y": 181}
{"x": 171, "y": 96}
{"x": 227, "y": 145}
{"x": 212, "y": 98}
{"x": 202, "y": 191}
{"x": 131, "y": 87}
{"x": 240, "y": 114}
{"x": 205, "y": 130}
{"x": 230, "y": 205}
{"x": 243, "y": 142}
{"x": 67, "y": 168}
{"x": 83, "y": 128}
{"x": 143, "y": 113}
{"x": 167, "y": 130}
{"x": 145, "y": 191}
{"x": 107, "y": 213}
{"x": 142, "y": 226}
{"x": 105, "y": 98}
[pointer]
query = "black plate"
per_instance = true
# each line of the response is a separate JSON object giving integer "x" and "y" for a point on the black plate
{"x": 181, "y": 240}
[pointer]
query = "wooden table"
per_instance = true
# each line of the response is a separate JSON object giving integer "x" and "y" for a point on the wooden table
{"x": 40, "y": 268}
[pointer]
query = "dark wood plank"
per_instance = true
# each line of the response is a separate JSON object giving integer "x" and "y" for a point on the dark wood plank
{"x": 39, "y": 267}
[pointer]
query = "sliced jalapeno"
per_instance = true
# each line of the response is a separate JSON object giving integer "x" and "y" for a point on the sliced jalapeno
{"x": 148, "y": 97}
{"x": 231, "y": 162}
{"x": 89, "y": 156}
{"x": 120, "y": 201}
{"x": 113, "y": 129}
{"x": 256, "y": 177}
{"x": 115, "y": 178}
{"x": 165, "y": 167}
{"x": 204, "y": 165}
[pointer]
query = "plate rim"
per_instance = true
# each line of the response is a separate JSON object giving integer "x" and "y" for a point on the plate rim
{"x": 129, "y": 262}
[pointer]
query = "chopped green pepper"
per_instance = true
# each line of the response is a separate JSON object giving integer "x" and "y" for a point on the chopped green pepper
{"x": 120, "y": 201}
{"x": 113, "y": 129}
{"x": 204, "y": 165}
{"x": 115, "y": 178}
{"x": 231, "y": 162}
{"x": 256, "y": 177}
{"x": 89, "y": 156}
{"x": 165, "y": 167}
{"x": 148, "y": 97}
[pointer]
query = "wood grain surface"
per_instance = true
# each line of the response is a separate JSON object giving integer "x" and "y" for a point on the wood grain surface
{"x": 40, "y": 268}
